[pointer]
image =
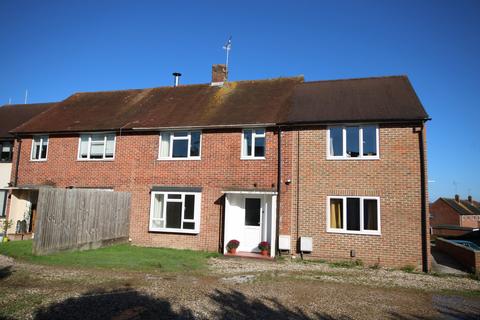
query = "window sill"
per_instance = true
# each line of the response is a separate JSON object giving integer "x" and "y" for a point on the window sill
{"x": 10, "y": 161}
{"x": 354, "y": 158}
{"x": 95, "y": 160}
{"x": 177, "y": 159}
{"x": 252, "y": 158}
{"x": 360, "y": 233}
{"x": 173, "y": 231}
{"x": 39, "y": 160}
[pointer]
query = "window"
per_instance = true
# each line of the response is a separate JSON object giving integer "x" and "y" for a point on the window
{"x": 180, "y": 145}
{"x": 359, "y": 215}
{"x": 6, "y": 151}
{"x": 96, "y": 146}
{"x": 175, "y": 212}
{"x": 253, "y": 144}
{"x": 3, "y": 203}
{"x": 39, "y": 148}
{"x": 353, "y": 142}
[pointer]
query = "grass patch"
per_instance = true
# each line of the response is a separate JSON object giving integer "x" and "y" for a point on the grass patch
{"x": 123, "y": 256}
{"x": 347, "y": 264}
{"x": 408, "y": 269}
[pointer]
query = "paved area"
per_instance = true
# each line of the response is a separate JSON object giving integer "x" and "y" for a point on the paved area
{"x": 444, "y": 264}
{"x": 234, "y": 289}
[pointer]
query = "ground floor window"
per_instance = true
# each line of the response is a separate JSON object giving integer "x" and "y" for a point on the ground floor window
{"x": 3, "y": 203}
{"x": 353, "y": 215}
{"x": 175, "y": 212}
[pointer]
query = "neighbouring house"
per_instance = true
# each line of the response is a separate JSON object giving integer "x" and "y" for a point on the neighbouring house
{"x": 12, "y": 116}
{"x": 454, "y": 216}
{"x": 330, "y": 169}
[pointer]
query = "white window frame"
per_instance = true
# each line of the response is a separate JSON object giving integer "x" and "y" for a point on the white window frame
{"x": 344, "y": 213}
{"x": 42, "y": 138}
{"x": 79, "y": 158}
{"x": 360, "y": 142}
{"x": 243, "y": 156}
{"x": 196, "y": 211}
{"x": 172, "y": 138}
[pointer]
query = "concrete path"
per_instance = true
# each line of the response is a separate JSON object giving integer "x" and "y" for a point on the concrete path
{"x": 444, "y": 264}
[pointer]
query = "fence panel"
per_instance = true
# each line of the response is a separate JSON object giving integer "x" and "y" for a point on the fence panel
{"x": 71, "y": 219}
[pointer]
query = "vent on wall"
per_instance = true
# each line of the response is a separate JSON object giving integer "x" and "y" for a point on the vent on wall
{"x": 306, "y": 244}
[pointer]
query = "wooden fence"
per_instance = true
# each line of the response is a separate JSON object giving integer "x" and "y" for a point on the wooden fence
{"x": 76, "y": 219}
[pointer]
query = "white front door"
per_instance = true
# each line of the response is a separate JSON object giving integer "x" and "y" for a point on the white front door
{"x": 252, "y": 224}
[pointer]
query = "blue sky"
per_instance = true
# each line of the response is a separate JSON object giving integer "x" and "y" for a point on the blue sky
{"x": 56, "y": 48}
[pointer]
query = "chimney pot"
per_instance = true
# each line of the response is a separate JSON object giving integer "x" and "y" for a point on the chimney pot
{"x": 219, "y": 74}
{"x": 470, "y": 199}
{"x": 457, "y": 198}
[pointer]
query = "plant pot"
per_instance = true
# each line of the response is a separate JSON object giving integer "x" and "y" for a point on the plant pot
{"x": 264, "y": 252}
{"x": 232, "y": 250}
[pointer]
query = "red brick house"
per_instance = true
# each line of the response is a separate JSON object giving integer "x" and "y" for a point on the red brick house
{"x": 455, "y": 212}
{"x": 340, "y": 164}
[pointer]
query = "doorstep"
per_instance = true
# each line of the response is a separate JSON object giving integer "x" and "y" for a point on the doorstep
{"x": 250, "y": 255}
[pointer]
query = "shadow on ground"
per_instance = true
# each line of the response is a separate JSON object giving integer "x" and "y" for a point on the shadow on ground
{"x": 130, "y": 304}
{"x": 5, "y": 272}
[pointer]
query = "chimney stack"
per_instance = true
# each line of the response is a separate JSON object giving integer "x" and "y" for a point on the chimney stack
{"x": 176, "y": 78}
{"x": 470, "y": 199}
{"x": 457, "y": 198}
{"x": 219, "y": 74}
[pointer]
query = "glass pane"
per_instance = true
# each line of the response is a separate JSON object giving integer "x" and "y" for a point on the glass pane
{"x": 3, "y": 201}
{"x": 110, "y": 146}
{"x": 189, "y": 225}
{"x": 180, "y": 134}
{"x": 353, "y": 214}
{"x": 44, "y": 148}
{"x": 247, "y": 143}
{"x": 252, "y": 212}
{"x": 195, "y": 144}
{"x": 174, "y": 196}
{"x": 98, "y": 138}
{"x": 36, "y": 151}
{"x": 158, "y": 206}
{"x": 189, "y": 206}
{"x": 180, "y": 148}
{"x": 83, "y": 147}
{"x": 353, "y": 148}
{"x": 165, "y": 145}
{"x": 96, "y": 150}
{"x": 259, "y": 147}
{"x": 158, "y": 223}
{"x": 5, "y": 151}
{"x": 336, "y": 141}
{"x": 336, "y": 213}
{"x": 370, "y": 214}
{"x": 370, "y": 141}
{"x": 260, "y": 132}
{"x": 174, "y": 215}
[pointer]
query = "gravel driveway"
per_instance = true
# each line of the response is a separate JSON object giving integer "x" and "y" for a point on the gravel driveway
{"x": 234, "y": 289}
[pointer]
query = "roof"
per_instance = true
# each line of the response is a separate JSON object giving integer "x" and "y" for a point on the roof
{"x": 258, "y": 102}
{"x": 13, "y": 115}
{"x": 463, "y": 207}
{"x": 366, "y": 99}
{"x": 235, "y": 103}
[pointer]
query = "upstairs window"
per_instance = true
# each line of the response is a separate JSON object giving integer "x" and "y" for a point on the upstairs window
{"x": 39, "y": 148}
{"x": 96, "y": 146}
{"x": 175, "y": 212}
{"x": 359, "y": 215}
{"x": 6, "y": 151}
{"x": 180, "y": 145}
{"x": 3, "y": 203}
{"x": 253, "y": 144}
{"x": 353, "y": 142}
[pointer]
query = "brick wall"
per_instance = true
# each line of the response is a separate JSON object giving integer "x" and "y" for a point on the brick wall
{"x": 395, "y": 178}
{"x": 466, "y": 256}
{"x": 442, "y": 213}
{"x": 472, "y": 221}
{"x": 135, "y": 169}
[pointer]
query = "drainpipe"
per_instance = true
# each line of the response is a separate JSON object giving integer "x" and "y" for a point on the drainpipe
{"x": 15, "y": 181}
{"x": 279, "y": 183}
{"x": 424, "y": 201}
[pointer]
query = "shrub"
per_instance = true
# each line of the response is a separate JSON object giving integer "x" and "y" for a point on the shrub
{"x": 233, "y": 244}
